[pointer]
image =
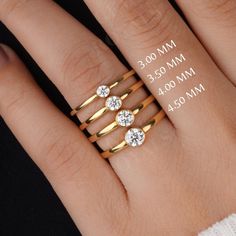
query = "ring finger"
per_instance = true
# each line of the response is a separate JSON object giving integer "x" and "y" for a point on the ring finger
{"x": 72, "y": 57}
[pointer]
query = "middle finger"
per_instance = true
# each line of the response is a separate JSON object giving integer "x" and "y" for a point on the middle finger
{"x": 174, "y": 65}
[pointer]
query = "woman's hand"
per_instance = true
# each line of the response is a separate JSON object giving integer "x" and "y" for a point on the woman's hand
{"x": 183, "y": 178}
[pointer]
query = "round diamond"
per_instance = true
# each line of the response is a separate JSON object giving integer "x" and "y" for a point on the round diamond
{"x": 125, "y": 118}
{"x": 135, "y": 137}
{"x": 113, "y": 103}
{"x": 103, "y": 91}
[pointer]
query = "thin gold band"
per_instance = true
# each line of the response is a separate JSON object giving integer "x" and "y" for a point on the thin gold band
{"x": 93, "y": 97}
{"x": 155, "y": 120}
{"x": 103, "y": 110}
{"x": 111, "y": 127}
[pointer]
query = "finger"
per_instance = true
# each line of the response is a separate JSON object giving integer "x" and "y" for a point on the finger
{"x": 165, "y": 53}
{"x": 85, "y": 183}
{"x": 78, "y": 61}
{"x": 214, "y": 22}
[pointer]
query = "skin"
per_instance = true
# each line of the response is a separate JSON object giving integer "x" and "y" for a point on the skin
{"x": 183, "y": 179}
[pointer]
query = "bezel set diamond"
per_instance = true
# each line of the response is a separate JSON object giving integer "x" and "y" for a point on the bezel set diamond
{"x": 113, "y": 103}
{"x": 103, "y": 91}
{"x": 125, "y": 118}
{"x": 135, "y": 137}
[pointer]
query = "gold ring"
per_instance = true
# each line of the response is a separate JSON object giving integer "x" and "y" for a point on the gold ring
{"x": 101, "y": 94}
{"x": 104, "y": 109}
{"x": 135, "y": 136}
{"x": 114, "y": 125}
{"x": 124, "y": 118}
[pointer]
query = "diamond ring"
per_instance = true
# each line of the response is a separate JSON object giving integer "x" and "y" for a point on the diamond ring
{"x": 112, "y": 103}
{"x": 102, "y": 91}
{"x": 135, "y": 136}
{"x": 124, "y": 118}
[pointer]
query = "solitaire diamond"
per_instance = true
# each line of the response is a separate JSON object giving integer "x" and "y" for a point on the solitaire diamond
{"x": 103, "y": 91}
{"x": 125, "y": 118}
{"x": 135, "y": 137}
{"x": 113, "y": 103}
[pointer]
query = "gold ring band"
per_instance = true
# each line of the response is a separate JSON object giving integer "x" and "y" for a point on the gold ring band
{"x": 124, "y": 118}
{"x": 93, "y": 97}
{"x": 155, "y": 120}
{"x": 114, "y": 125}
{"x": 104, "y": 109}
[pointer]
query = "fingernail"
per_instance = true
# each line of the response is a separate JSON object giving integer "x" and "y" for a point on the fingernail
{"x": 3, "y": 57}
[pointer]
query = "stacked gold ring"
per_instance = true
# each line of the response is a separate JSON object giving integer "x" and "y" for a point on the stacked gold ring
{"x": 93, "y": 97}
{"x": 114, "y": 125}
{"x": 124, "y": 117}
{"x": 155, "y": 120}
{"x": 104, "y": 109}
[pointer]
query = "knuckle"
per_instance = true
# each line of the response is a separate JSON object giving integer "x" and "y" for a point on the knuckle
{"x": 144, "y": 20}
{"x": 84, "y": 70}
{"x": 10, "y": 6}
{"x": 60, "y": 155}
